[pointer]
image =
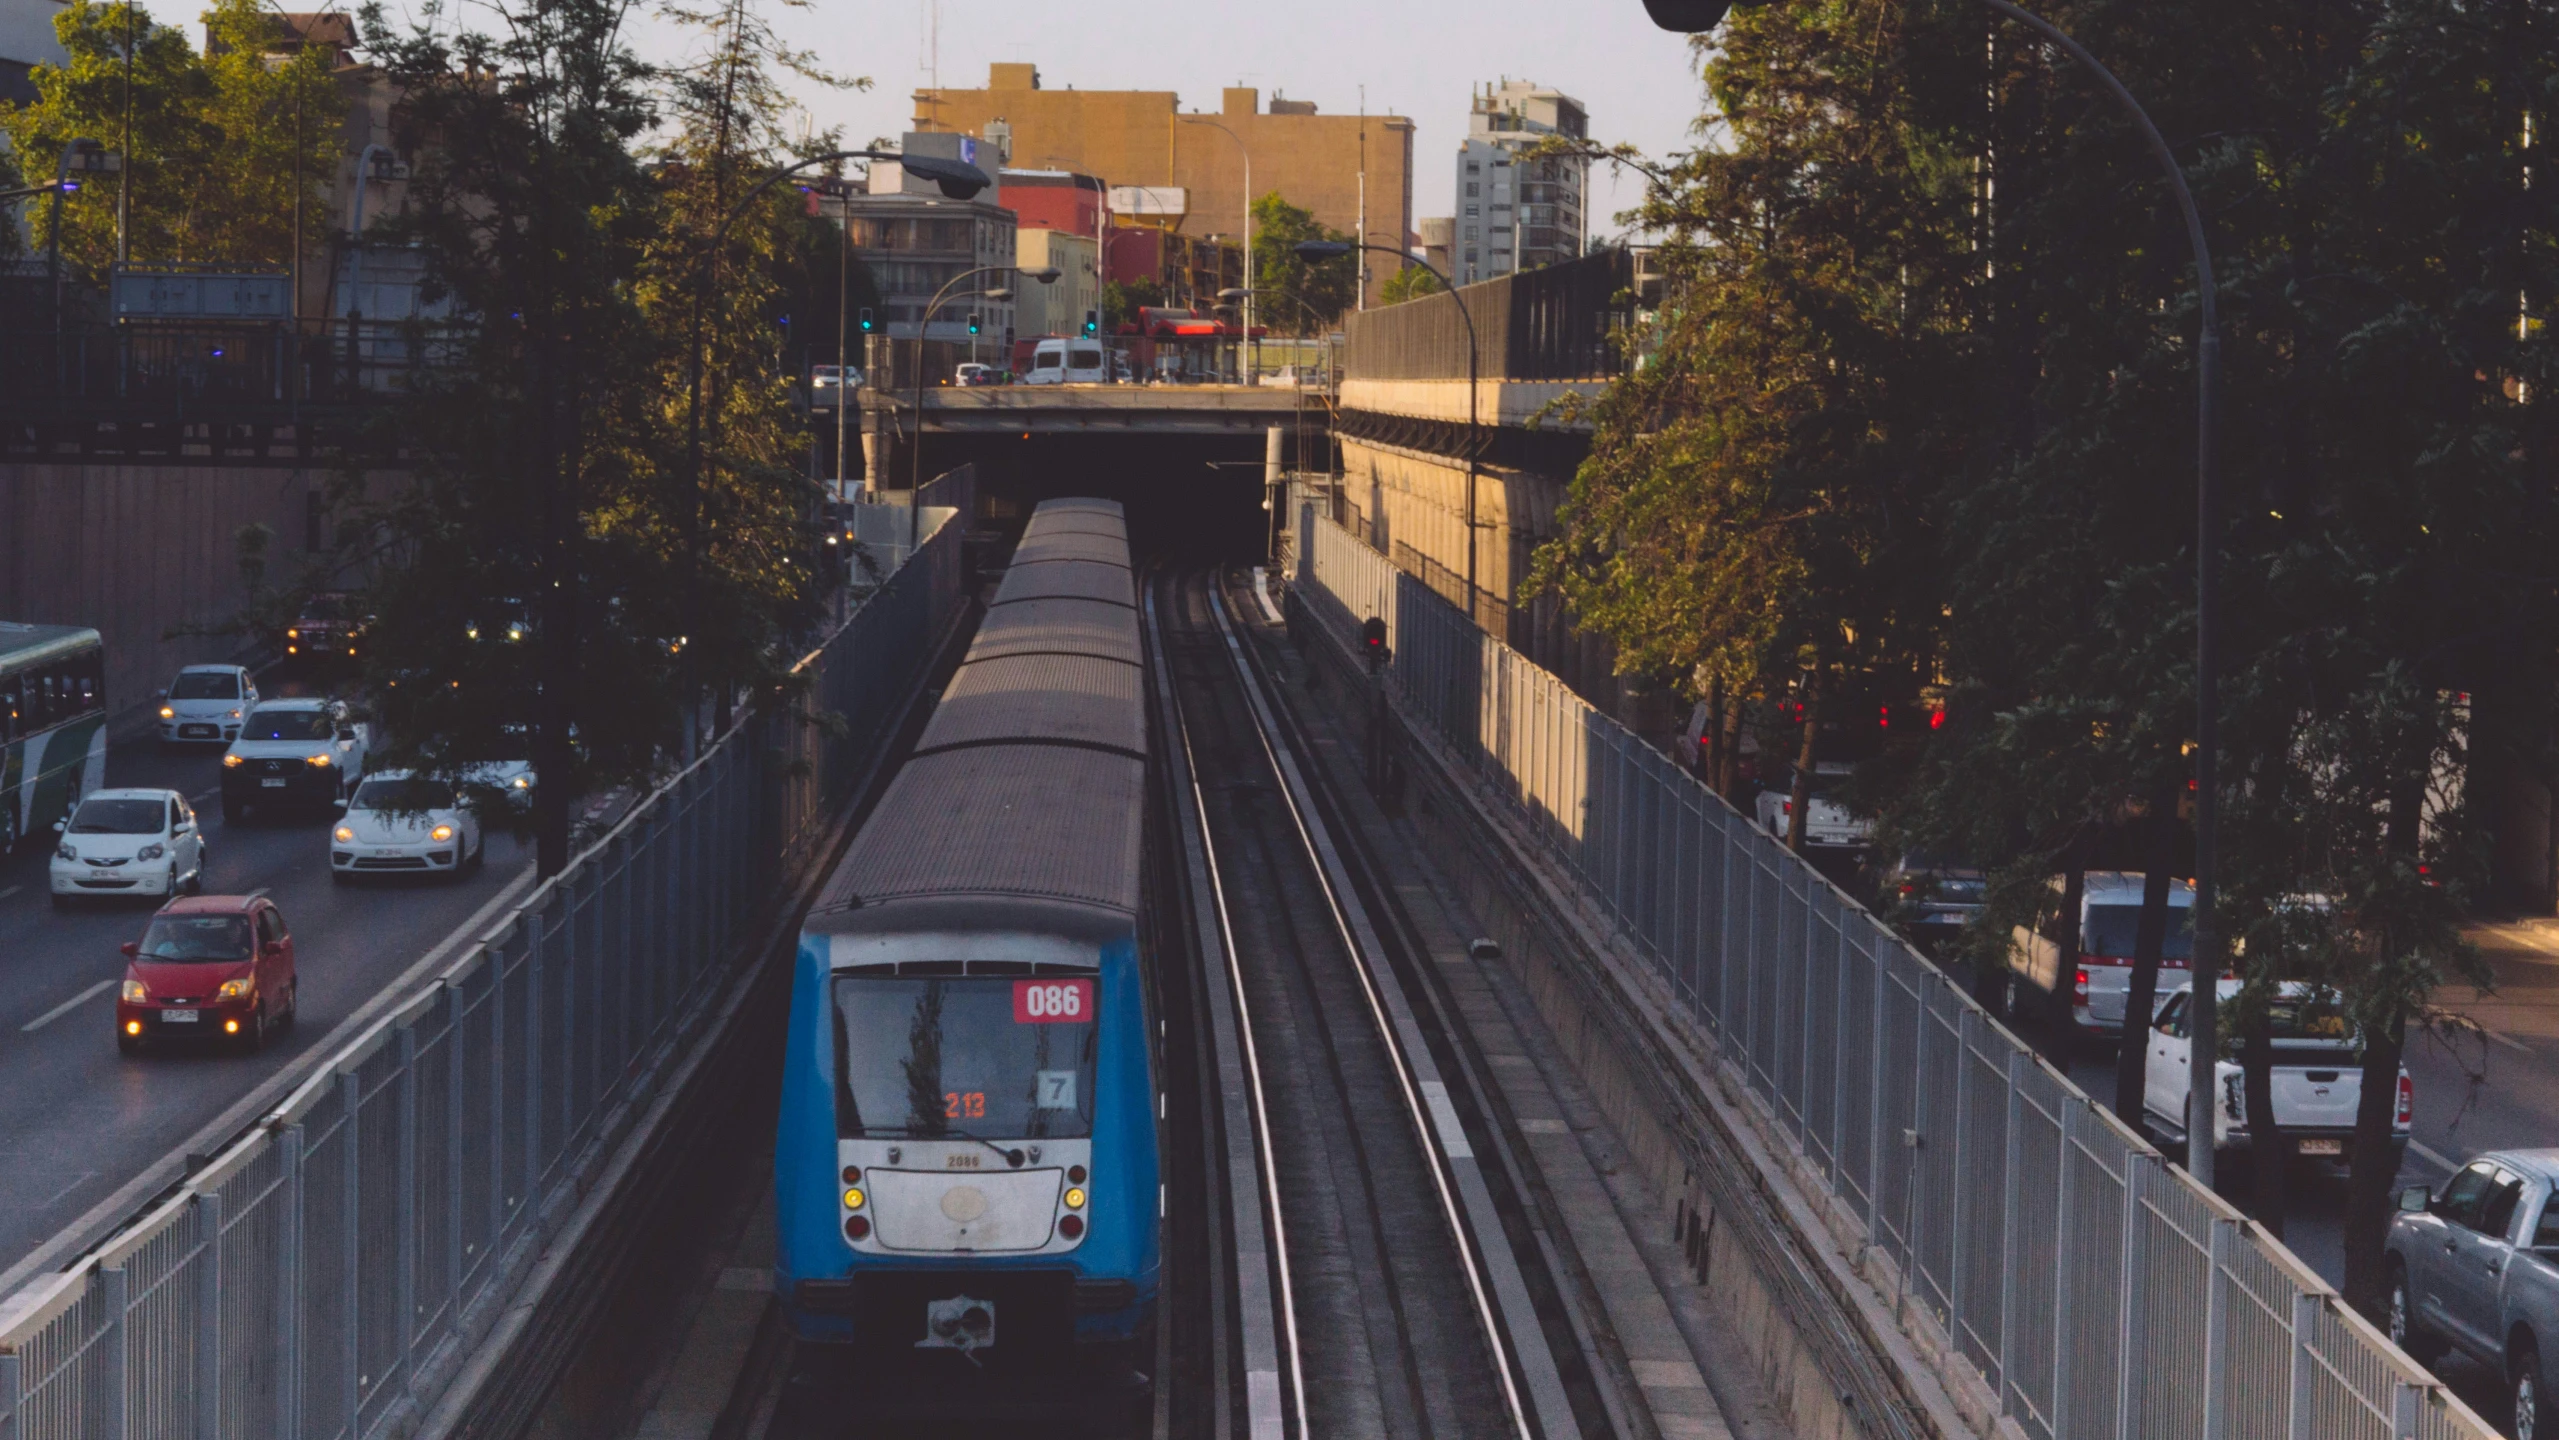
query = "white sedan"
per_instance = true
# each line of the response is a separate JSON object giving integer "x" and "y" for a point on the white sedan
{"x": 402, "y": 824}
{"x": 129, "y": 842}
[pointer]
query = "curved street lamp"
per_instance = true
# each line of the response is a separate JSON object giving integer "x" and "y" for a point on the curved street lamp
{"x": 1693, "y": 16}
{"x": 1315, "y": 252}
{"x": 1248, "y": 204}
{"x": 915, "y": 462}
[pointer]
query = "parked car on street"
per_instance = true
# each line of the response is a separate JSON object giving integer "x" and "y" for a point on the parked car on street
{"x": 402, "y": 824}
{"x": 212, "y": 967}
{"x": 1828, "y": 824}
{"x": 972, "y": 373}
{"x": 204, "y": 704}
{"x": 825, "y": 383}
{"x": 2317, "y": 1079}
{"x": 299, "y": 753}
{"x": 1059, "y": 361}
{"x": 128, "y": 842}
{"x": 2474, "y": 1267}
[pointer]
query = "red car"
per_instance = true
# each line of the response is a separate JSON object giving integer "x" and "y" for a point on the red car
{"x": 216, "y": 966}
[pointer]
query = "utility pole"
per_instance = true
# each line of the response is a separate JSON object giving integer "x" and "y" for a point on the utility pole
{"x": 1359, "y": 295}
{"x": 124, "y": 177}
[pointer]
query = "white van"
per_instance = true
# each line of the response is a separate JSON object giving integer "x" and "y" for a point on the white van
{"x": 1061, "y": 361}
{"x": 2109, "y": 922}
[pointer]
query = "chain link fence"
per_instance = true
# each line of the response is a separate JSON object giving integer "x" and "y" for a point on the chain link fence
{"x": 2097, "y": 1291}
{"x": 324, "y": 1275}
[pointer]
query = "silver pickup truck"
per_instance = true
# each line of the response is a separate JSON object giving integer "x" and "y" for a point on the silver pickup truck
{"x": 2475, "y": 1267}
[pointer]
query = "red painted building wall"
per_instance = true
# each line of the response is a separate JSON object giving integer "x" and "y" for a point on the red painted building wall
{"x": 1056, "y": 203}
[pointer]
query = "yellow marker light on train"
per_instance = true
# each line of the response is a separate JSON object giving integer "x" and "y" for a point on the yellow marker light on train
{"x": 852, "y": 1199}
{"x": 1075, "y": 1199}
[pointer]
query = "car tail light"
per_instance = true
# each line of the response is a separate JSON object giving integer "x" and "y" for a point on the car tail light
{"x": 2407, "y": 1101}
{"x": 2079, "y": 987}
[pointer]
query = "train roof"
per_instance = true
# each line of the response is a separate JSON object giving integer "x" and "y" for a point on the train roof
{"x": 1053, "y": 699}
{"x": 1026, "y": 821}
{"x": 1099, "y": 628}
{"x": 1029, "y": 781}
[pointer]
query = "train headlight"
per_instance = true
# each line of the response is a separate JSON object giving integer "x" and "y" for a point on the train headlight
{"x": 853, "y": 1199}
{"x": 1075, "y": 1198}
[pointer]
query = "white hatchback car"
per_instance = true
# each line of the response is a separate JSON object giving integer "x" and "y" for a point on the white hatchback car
{"x": 402, "y": 824}
{"x": 204, "y": 703}
{"x": 129, "y": 842}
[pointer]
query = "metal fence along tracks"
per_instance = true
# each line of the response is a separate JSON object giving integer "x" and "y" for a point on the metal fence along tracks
{"x": 2077, "y": 1273}
{"x": 324, "y": 1275}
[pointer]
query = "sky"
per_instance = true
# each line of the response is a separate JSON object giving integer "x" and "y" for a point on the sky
{"x": 1417, "y": 58}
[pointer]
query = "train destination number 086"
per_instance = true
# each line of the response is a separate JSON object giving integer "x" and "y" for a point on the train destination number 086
{"x": 1052, "y": 1002}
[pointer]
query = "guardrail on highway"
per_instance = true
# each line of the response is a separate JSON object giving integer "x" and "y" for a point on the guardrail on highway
{"x": 324, "y": 1276}
{"x": 2096, "y": 1290}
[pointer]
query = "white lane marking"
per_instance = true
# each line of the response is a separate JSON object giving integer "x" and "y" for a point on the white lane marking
{"x": 66, "y": 1007}
{"x": 12, "y": 890}
{"x": 1452, "y": 1136}
{"x": 2431, "y": 1154}
{"x": 2508, "y": 1041}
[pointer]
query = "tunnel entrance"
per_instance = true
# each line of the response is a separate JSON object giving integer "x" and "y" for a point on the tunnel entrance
{"x": 1190, "y": 498}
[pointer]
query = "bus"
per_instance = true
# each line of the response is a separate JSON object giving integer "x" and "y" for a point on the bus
{"x": 53, "y": 725}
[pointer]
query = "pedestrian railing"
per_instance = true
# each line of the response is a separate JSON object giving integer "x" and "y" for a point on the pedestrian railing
{"x": 2096, "y": 1290}
{"x": 324, "y": 1275}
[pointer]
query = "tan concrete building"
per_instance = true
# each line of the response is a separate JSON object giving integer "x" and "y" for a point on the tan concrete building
{"x": 1057, "y": 308}
{"x": 1143, "y": 137}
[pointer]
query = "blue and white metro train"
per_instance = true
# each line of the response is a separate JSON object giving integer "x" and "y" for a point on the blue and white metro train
{"x": 966, "y": 1173}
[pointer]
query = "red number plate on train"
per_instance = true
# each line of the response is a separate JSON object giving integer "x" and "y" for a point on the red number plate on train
{"x": 1052, "y": 1002}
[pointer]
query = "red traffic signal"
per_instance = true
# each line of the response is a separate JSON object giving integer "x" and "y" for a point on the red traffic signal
{"x": 1372, "y": 635}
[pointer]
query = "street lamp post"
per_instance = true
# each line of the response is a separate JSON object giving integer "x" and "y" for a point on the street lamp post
{"x": 1317, "y": 251}
{"x": 86, "y": 156}
{"x": 1690, "y": 16}
{"x": 915, "y": 462}
{"x": 1248, "y": 209}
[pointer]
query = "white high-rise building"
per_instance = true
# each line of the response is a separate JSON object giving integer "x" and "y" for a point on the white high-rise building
{"x": 1514, "y": 213}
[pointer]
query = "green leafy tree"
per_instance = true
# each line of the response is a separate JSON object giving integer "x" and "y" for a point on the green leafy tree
{"x": 1410, "y": 283}
{"x": 1121, "y": 302}
{"x": 1297, "y": 298}
{"x": 219, "y": 140}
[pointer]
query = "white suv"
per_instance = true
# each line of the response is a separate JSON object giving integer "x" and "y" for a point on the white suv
{"x": 128, "y": 842}
{"x": 204, "y": 703}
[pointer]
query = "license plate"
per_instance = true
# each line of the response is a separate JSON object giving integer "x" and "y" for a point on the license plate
{"x": 2323, "y": 1147}
{"x": 193, "y": 730}
{"x": 272, "y": 784}
{"x": 177, "y": 1017}
{"x": 386, "y": 850}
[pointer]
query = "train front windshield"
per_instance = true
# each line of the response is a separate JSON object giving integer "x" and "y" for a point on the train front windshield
{"x": 991, "y": 1057}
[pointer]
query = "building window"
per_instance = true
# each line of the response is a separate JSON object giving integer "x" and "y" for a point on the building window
{"x": 1473, "y": 210}
{"x": 1474, "y": 167}
{"x": 1470, "y": 234}
{"x": 1473, "y": 188}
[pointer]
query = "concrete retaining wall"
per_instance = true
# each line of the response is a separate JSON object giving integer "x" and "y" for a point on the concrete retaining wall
{"x": 139, "y": 551}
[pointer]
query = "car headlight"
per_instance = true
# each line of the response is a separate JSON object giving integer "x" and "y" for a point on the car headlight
{"x": 133, "y": 992}
{"x": 236, "y": 989}
{"x": 235, "y": 714}
{"x": 345, "y": 834}
{"x": 440, "y": 832}
{"x": 66, "y": 852}
{"x": 150, "y": 852}
{"x": 523, "y": 782}
{"x": 320, "y": 760}
{"x": 293, "y": 633}
{"x": 167, "y": 713}
{"x": 230, "y": 762}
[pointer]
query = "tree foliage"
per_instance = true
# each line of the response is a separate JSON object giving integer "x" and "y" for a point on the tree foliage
{"x": 218, "y": 136}
{"x": 1924, "y": 407}
{"x": 1297, "y": 298}
{"x": 1410, "y": 283}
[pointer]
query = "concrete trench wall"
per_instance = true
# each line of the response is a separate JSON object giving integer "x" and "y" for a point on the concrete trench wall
{"x": 139, "y": 551}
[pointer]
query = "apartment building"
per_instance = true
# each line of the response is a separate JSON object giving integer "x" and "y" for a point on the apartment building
{"x": 1516, "y": 213}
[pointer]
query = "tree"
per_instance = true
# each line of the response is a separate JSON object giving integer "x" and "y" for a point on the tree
{"x": 1297, "y": 298}
{"x": 1410, "y": 283}
{"x": 1121, "y": 302}
{"x": 218, "y": 139}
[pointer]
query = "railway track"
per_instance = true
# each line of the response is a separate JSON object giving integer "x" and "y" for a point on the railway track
{"x": 1359, "y": 1280}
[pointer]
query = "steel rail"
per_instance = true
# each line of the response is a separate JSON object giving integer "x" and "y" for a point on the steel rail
{"x": 1261, "y": 1343}
{"x": 1483, "y": 1245}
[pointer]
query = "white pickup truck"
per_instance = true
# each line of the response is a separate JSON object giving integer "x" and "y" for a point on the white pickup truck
{"x": 2317, "y": 1079}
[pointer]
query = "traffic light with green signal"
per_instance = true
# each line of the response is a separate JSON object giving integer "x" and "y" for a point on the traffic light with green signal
{"x": 868, "y": 324}
{"x": 1092, "y": 322}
